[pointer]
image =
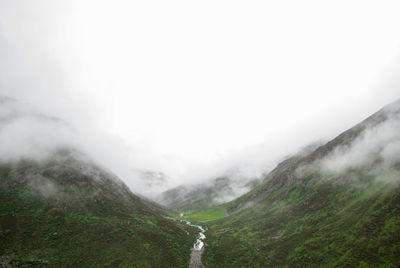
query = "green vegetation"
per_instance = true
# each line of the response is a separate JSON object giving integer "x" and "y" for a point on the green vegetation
{"x": 55, "y": 215}
{"x": 305, "y": 215}
{"x": 208, "y": 214}
{"x": 70, "y": 213}
{"x": 318, "y": 222}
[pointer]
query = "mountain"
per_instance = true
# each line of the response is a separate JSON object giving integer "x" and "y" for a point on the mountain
{"x": 336, "y": 206}
{"x": 194, "y": 197}
{"x": 151, "y": 182}
{"x": 333, "y": 205}
{"x": 59, "y": 208}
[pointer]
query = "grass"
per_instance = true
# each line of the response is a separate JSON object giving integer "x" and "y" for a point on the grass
{"x": 79, "y": 228}
{"x": 318, "y": 222}
{"x": 210, "y": 214}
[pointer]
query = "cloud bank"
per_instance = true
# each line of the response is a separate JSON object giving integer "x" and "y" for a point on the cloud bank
{"x": 193, "y": 90}
{"x": 379, "y": 144}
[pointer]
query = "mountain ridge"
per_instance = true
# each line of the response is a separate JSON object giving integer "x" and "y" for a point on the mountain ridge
{"x": 336, "y": 206}
{"x": 286, "y": 168}
{"x": 61, "y": 208}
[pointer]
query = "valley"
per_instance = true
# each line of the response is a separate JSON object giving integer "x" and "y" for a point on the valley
{"x": 306, "y": 214}
{"x": 336, "y": 205}
{"x": 199, "y": 134}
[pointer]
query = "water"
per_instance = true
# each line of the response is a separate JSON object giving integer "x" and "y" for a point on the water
{"x": 199, "y": 242}
{"x": 198, "y": 247}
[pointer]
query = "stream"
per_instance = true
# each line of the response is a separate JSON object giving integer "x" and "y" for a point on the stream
{"x": 198, "y": 247}
{"x": 199, "y": 242}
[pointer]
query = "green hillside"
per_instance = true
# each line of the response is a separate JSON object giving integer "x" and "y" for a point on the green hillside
{"x": 334, "y": 206}
{"x": 317, "y": 223}
{"x": 67, "y": 212}
{"x": 308, "y": 215}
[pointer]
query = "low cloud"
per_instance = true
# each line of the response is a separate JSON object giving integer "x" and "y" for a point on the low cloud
{"x": 138, "y": 98}
{"x": 379, "y": 144}
{"x": 42, "y": 186}
{"x": 25, "y": 132}
{"x": 375, "y": 151}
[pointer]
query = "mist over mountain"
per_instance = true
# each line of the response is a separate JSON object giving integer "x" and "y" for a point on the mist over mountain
{"x": 60, "y": 208}
{"x": 144, "y": 100}
{"x": 152, "y": 182}
{"x": 27, "y": 132}
{"x": 189, "y": 198}
{"x": 336, "y": 205}
{"x": 199, "y": 134}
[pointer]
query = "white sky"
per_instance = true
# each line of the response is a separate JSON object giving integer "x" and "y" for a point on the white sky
{"x": 195, "y": 85}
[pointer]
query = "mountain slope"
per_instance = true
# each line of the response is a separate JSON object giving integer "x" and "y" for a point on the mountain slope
{"x": 336, "y": 206}
{"x": 67, "y": 212}
{"x": 191, "y": 198}
{"x": 58, "y": 208}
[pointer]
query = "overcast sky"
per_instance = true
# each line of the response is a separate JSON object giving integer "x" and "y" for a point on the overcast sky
{"x": 192, "y": 88}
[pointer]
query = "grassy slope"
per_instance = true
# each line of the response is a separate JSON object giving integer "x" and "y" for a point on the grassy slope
{"x": 322, "y": 221}
{"x": 87, "y": 222}
{"x": 312, "y": 218}
{"x": 210, "y": 214}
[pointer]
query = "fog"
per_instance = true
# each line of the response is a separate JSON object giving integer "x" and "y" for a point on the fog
{"x": 377, "y": 146}
{"x": 370, "y": 150}
{"x": 26, "y": 133}
{"x": 192, "y": 90}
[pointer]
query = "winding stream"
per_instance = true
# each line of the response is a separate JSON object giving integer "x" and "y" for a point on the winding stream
{"x": 198, "y": 247}
{"x": 199, "y": 242}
